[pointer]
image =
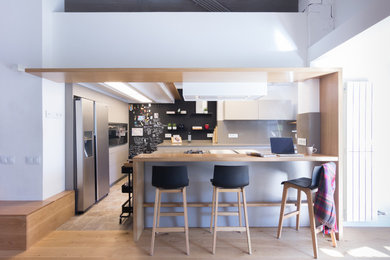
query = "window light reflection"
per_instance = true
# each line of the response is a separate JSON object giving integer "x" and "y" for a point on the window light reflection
{"x": 332, "y": 252}
{"x": 387, "y": 248}
{"x": 366, "y": 251}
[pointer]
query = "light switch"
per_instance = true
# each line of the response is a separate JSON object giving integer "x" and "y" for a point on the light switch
{"x": 233, "y": 135}
{"x": 302, "y": 141}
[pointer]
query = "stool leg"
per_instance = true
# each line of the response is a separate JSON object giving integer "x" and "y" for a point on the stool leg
{"x": 154, "y": 221}
{"x": 158, "y": 209}
{"x": 239, "y": 209}
{"x": 312, "y": 222}
{"x": 184, "y": 191}
{"x": 298, "y": 207}
{"x": 212, "y": 211}
{"x": 215, "y": 219}
{"x": 333, "y": 236}
{"x": 246, "y": 221}
{"x": 281, "y": 216}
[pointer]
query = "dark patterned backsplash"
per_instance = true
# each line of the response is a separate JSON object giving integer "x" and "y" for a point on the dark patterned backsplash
{"x": 149, "y": 122}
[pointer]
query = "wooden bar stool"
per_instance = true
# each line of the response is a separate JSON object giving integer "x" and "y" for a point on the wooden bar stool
{"x": 230, "y": 179}
{"x": 308, "y": 186}
{"x": 169, "y": 179}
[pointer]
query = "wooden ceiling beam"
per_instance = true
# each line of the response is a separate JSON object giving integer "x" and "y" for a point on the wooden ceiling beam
{"x": 172, "y": 88}
{"x": 77, "y": 75}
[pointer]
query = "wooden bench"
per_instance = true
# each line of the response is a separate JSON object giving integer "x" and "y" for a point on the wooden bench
{"x": 22, "y": 223}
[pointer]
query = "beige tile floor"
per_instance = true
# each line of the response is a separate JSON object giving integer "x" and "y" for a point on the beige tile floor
{"x": 104, "y": 215}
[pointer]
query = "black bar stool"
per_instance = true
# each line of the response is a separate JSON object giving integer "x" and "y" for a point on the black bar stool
{"x": 230, "y": 179}
{"x": 169, "y": 179}
{"x": 308, "y": 186}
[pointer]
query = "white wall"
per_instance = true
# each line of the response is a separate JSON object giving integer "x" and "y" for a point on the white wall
{"x": 351, "y": 18}
{"x": 118, "y": 112}
{"x": 20, "y": 99}
{"x": 367, "y": 56}
{"x": 309, "y": 96}
{"x": 53, "y": 162}
{"x": 53, "y": 111}
{"x": 179, "y": 40}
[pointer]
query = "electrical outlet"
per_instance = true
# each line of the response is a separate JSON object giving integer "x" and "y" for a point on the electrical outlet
{"x": 209, "y": 135}
{"x": 11, "y": 159}
{"x": 37, "y": 160}
{"x": 168, "y": 135}
{"x": 233, "y": 135}
{"x": 7, "y": 159}
{"x": 3, "y": 159}
{"x": 33, "y": 160}
{"x": 29, "y": 160}
{"x": 302, "y": 141}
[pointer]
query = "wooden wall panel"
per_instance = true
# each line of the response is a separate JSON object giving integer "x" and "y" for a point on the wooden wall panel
{"x": 329, "y": 105}
{"x": 42, "y": 222}
{"x": 32, "y": 220}
{"x": 12, "y": 232}
{"x": 331, "y": 108}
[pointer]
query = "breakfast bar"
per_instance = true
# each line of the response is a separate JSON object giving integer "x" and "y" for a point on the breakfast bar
{"x": 266, "y": 173}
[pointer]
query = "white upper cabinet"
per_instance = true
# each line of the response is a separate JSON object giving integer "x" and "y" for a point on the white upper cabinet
{"x": 279, "y": 104}
{"x": 276, "y": 110}
{"x": 259, "y": 110}
{"x": 241, "y": 110}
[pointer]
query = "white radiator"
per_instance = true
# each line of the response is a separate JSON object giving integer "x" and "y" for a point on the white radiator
{"x": 359, "y": 177}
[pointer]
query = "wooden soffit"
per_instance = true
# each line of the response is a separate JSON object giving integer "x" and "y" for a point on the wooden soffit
{"x": 78, "y": 75}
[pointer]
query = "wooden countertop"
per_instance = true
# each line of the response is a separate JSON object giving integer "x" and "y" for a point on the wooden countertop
{"x": 182, "y": 157}
{"x": 208, "y": 143}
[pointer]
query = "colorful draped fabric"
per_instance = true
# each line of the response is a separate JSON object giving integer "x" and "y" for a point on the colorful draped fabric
{"x": 324, "y": 206}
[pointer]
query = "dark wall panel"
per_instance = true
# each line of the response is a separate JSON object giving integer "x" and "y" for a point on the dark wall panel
{"x": 178, "y": 6}
{"x": 154, "y": 121}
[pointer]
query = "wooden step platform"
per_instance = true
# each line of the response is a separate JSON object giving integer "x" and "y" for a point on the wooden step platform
{"x": 22, "y": 223}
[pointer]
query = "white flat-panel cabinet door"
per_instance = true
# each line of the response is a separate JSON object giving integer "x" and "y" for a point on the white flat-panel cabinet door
{"x": 241, "y": 110}
{"x": 276, "y": 110}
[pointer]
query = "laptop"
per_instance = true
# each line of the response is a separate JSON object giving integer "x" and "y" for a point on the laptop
{"x": 283, "y": 147}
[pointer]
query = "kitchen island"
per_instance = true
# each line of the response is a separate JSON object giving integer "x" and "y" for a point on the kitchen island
{"x": 264, "y": 188}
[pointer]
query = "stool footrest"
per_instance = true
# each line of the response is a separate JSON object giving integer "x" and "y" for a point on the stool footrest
{"x": 229, "y": 190}
{"x": 228, "y": 213}
{"x": 242, "y": 229}
{"x": 291, "y": 214}
{"x": 171, "y": 214}
{"x": 170, "y": 229}
{"x": 171, "y": 191}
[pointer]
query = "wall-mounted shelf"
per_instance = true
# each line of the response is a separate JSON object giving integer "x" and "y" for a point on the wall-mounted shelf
{"x": 184, "y": 129}
{"x": 204, "y": 130}
{"x": 201, "y": 114}
{"x": 174, "y": 113}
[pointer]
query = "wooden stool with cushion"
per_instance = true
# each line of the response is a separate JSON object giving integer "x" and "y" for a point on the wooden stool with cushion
{"x": 230, "y": 179}
{"x": 169, "y": 179}
{"x": 308, "y": 186}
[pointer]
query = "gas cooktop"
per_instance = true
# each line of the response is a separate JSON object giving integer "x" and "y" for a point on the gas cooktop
{"x": 194, "y": 152}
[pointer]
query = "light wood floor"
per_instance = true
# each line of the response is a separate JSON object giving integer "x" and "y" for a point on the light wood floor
{"x": 368, "y": 243}
{"x": 104, "y": 215}
{"x": 98, "y": 235}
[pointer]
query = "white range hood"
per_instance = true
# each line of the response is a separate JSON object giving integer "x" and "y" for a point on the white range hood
{"x": 218, "y": 86}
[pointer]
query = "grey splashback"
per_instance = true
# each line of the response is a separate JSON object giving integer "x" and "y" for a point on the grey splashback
{"x": 254, "y": 131}
{"x": 309, "y": 127}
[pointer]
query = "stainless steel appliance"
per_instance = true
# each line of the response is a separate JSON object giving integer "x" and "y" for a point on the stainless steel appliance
{"x": 91, "y": 155}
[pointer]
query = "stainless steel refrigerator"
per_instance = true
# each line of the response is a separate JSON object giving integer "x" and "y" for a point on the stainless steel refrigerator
{"x": 91, "y": 155}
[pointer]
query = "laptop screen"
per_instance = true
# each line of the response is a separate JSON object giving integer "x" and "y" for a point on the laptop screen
{"x": 282, "y": 145}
